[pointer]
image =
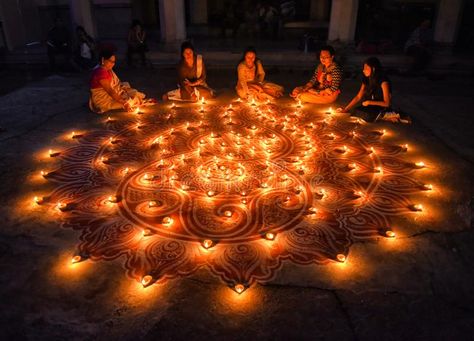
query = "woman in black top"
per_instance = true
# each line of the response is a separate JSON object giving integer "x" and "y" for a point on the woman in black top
{"x": 375, "y": 94}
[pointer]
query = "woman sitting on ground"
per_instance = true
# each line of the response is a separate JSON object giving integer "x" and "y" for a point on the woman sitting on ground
{"x": 374, "y": 93}
{"x": 323, "y": 87}
{"x": 107, "y": 92}
{"x": 191, "y": 77}
{"x": 251, "y": 78}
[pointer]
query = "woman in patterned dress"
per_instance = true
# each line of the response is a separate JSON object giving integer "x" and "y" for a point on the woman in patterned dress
{"x": 324, "y": 86}
{"x": 251, "y": 79}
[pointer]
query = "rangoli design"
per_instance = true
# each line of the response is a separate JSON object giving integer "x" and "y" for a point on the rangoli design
{"x": 236, "y": 188}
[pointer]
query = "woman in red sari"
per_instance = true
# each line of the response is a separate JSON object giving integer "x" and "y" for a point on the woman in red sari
{"x": 108, "y": 92}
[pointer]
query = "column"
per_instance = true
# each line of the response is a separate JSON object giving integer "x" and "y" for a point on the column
{"x": 172, "y": 21}
{"x": 343, "y": 20}
{"x": 13, "y": 27}
{"x": 81, "y": 14}
{"x": 31, "y": 20}
{"x": 198, "y": 11}
{"x": 447, "y": 21}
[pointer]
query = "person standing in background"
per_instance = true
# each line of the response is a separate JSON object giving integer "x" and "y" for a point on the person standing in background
{"x": 136, "y": 43}
{"x": 418, "y": 47}
{"x": 58, "y": 43}
{"x": 84, "y": 52}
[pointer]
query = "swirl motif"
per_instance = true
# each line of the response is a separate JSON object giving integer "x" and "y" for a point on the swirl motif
{"x": 264, "y": 184}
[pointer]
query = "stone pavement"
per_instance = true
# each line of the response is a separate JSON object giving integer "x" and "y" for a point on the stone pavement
{"x": 418, "y": 286}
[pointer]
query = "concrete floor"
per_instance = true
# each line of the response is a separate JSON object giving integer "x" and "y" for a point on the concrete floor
{"x": 416, "y": 287}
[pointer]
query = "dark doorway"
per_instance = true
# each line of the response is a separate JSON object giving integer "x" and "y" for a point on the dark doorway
{"x": 465, "y": 40}
{"x": 383, "y": 27}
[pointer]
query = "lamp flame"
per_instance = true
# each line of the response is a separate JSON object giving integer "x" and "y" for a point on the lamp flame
{"x": 146, "y": 280}
{"x": 239, "y": 288}
{"x": 270, "y": 236}
{"x": 167, "y": 221}
{"x": 420, "y": 164}
{"x": 207, "y": 243}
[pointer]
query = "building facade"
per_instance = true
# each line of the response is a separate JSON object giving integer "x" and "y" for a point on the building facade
{"x": 347, "y": 21}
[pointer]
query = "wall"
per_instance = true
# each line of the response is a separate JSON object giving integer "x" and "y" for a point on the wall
{"x": 113, "y": 19}
{"x": 10, "y": 16}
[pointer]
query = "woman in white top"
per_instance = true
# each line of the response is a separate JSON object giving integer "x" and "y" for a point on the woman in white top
{"x": 251, "y": 79}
